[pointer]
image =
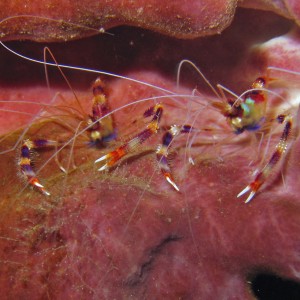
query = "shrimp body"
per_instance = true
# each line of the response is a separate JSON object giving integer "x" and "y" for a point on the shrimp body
{"x": 101, "y": 129}
{"x": 249, "y": 112}
{"x": 277, "y": 155}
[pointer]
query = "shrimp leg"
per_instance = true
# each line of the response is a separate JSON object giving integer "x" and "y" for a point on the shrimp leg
{"x": 162, "y": 151}
{"x": 277, "y": 155}
{"x": 152, "y": 128}
{"x": 25, "y": 162}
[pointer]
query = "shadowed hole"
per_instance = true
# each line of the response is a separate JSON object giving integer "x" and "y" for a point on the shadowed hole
{"x": 266, "y": 286}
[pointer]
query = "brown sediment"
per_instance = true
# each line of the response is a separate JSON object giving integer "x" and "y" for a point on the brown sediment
{"x": 62, "y": 20}
{"x": 286, "y": 8}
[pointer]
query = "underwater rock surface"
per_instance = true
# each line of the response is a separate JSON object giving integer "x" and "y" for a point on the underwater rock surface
{"x": 125, "y": 233}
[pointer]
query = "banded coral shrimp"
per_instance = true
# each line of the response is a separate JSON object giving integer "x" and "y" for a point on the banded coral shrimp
{"x": 79, "y": 247}
{"x": 251, "y": 112}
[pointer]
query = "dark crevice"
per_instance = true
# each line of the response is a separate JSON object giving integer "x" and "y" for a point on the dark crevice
{"x": 268, "y": 286}
{"x": 140, "y": 276}
{"x": 128, "y": 48}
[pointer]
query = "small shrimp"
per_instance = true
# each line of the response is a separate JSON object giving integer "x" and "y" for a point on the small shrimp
{"x": 248, "y": 113}
{"x": 99, "y": 125}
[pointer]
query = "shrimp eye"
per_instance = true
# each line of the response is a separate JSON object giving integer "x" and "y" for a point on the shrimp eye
{"x": 280, "y": 118}
{"x": 260, "y": 82}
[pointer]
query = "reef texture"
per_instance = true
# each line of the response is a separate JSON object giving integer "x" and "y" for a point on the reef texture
{"x": 125, "y": 233}
{"x": 50, "y": 20}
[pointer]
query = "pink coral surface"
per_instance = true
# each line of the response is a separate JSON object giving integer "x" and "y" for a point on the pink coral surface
{"x": 125, "y": 233}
